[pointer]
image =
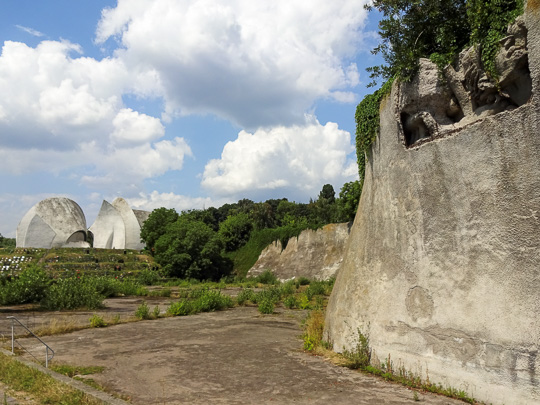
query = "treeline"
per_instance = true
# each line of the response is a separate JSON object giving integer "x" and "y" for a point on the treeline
{"x": 6, "y": 242}
{"x": 209, "y": 244}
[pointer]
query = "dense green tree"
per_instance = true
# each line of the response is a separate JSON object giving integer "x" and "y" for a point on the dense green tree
{"x": 191, "y": 249}
{"x": 156, "y": 226}
{"x": 439, "y": 30}
{"x": 328, "y": 194}
{"x": 263, "y": 215}
{"x": 235, "y": 231}
{"x": 349, "y": 197}
{"x": 412, "y": 29}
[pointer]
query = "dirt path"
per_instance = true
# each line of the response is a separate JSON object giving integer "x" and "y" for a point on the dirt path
{"x": 231, "y": 357}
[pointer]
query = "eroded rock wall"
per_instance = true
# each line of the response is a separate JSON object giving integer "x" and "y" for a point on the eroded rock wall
{"x": 314, "y": 254}
{"x": 442, "y": 267}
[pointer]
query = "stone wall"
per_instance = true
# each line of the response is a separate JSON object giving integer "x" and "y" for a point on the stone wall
{"x": 442, "y": 267}
{"x": 314, "y": 254}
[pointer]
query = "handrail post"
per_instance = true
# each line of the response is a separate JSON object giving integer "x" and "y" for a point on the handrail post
{"x": 12, "y": 335}
{"x": 46, "y": 356}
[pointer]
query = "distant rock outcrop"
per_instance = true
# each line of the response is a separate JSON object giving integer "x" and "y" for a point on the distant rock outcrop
{"x": 442, "y": 268}
{"x": 314, "y": 254}
{"x": 53, "y": 223}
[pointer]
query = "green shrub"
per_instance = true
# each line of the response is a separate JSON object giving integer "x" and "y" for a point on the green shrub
{"x": 156, "y": 312}
{"x": 273, "y": 294}
{"x": 71, "y": 293}
{"x": 29, "y": 287}
{"x": 315, "y": 288}
{"x": 288, "y": 288}
{"x": 212, "y": 300}
{"x": 266, "y": 306}
{"x": 147, "y": 277}
{"x": 290, "y": 302}
{"x": 180, "y": 308}
{"x": 143, "y": 311}
{"x": 302, "y": 281}
{"x": 97, "y": 321}
{"x": 244, "y": 296}
{"x": 267, "y": 277}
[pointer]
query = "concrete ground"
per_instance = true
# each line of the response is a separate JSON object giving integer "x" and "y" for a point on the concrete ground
{"x": 236, "y": 356}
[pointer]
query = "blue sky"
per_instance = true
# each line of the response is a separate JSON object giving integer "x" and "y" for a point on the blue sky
{"x": 183, "y": 104}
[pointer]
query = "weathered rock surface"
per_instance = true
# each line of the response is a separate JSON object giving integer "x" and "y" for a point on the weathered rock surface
{"x": 314, "y": 254}
{"x": 442, "y": 267}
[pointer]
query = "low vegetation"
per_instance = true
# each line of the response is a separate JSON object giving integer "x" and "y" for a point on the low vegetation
{"x": 41, "y": 387}
{"x": 359, "y": 358}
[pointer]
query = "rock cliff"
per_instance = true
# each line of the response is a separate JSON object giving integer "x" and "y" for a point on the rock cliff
{"x": 442, "y": 267}
{"x": 314, "y": 254}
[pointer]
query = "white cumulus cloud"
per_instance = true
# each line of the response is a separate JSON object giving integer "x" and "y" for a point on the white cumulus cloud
{"x": 65, "y": 113}
{"x": 133, "y": 127}
{"x": 295, "y": 160}
{"x": 155, "y": 199}
{"x": 257, "y": 63}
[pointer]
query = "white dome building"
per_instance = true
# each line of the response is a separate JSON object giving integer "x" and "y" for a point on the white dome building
{"x": 53, "y": 223}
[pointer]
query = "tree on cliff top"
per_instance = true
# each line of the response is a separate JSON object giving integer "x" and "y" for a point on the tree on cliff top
{"x": 439, "y": 30}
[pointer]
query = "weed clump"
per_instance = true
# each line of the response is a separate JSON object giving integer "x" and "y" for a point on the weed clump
{"x": 97, "y": 321}
{"x": 360, "y": 356}
{"x": 143, "y": 311}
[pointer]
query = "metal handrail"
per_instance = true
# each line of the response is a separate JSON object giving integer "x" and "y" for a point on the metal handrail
{"x": 47, "y": 347}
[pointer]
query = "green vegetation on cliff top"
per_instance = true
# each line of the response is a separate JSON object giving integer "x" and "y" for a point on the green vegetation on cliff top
{"x": 434, "y": 29}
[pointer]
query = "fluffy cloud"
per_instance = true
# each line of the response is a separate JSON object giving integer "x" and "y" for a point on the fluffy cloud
{"x": 65, "y": 114}
{"x": 132, "y": 127}
{"x": 295, "y": 160}
{"x": 257, "y": 63}
{"x": 156, "y": 199}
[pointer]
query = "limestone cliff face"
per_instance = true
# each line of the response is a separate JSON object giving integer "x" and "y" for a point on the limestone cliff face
{"x": 442, "y": 267}
{"x": 314, "y": 254}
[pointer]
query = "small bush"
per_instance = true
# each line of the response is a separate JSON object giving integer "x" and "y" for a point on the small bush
{"x": 273, "y": 294}
{"x": 97, "y": 321}
{"x": 266, "y": 306}
{"x": 244, "y": 296}
{"x": 143, "y": 311}
{"x": 267, "y": 277}
{"x": 360, "y": 356}
{"x": 290, "y": 302}
{"x": 288, "y": 288}
{"x": 303, "y": 281}
{"x": 72, "y": 293}
{"x": 156, "y": 312}
{"x": 31, "y": 286}
{"x": 304, "y": 302}
{"x": 147, "y": 277}
{"x": 212, "y": 301}
{"x": 315, "y": 288}
{"x": 180, "y": 308}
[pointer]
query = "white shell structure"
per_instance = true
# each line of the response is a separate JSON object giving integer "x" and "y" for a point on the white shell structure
{"x": 108, "y": 229}
{"x": 117, "y": 226}
{"x": 52, "y": 223}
